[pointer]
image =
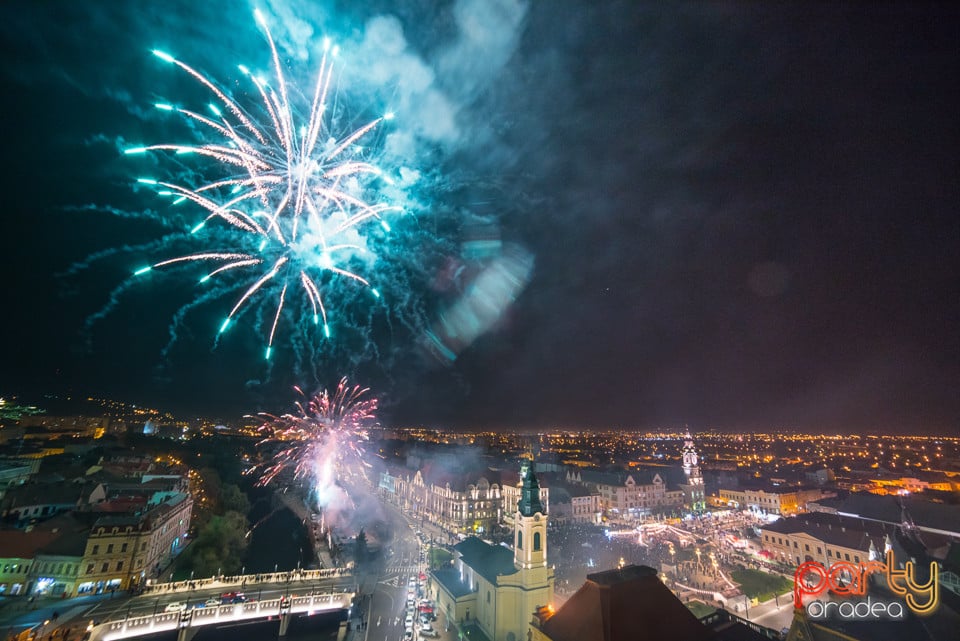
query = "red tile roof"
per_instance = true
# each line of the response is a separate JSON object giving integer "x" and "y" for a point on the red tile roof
{"x": 17, "y": 544}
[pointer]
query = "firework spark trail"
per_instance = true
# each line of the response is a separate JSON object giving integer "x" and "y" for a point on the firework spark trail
{"x": 321, "y": 440}
{"x": 302, "y": 196}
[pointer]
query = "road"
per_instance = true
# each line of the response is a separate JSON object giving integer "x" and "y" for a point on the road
{"x": 774, "y": 614}
{"x": 385, "y": 591}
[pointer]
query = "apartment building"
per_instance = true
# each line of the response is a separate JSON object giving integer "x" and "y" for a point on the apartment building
{"x": 124, "y": 551}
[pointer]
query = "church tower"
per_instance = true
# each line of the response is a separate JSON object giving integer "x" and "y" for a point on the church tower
{"x": 530, "y": 524}
{"x": 693, "y": 488}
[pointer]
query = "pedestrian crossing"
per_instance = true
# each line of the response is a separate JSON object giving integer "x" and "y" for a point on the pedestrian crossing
{"x": 406, "y": 568}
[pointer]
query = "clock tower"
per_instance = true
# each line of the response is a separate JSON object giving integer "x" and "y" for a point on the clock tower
{"x": 693, "y": 488}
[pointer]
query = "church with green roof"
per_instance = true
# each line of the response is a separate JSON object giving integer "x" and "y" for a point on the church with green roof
{"x": 495, "y": 588}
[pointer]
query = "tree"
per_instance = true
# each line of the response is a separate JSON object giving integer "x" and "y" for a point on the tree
{"x": 212, "y": 486}
{"x": 439, "y": 558}
{"x": 361, "y": 552}
{"x": 220, "y": 544}
{"x": 232, "y": 498}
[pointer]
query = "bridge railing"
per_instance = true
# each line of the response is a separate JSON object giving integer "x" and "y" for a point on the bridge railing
{"x": 141, "y": 625}
{"x": 244, "y": 580}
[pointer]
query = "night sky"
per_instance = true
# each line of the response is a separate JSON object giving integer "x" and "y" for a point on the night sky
{"x": 739, "y": 215}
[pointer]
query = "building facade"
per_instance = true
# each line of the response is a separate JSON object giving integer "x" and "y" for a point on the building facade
{"x": 825, "y": 538}
{"x": 456, "y": 506}
{"x": 772, "y": 500}
{"x": 14, "y": 472}
{"x": 625, "y": 497}
{"x": 576, "y": 504}
{"x": 123, "y": 552}
{"x": 456, "y": 503}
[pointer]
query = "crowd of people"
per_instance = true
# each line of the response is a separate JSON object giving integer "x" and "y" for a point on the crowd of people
{"x": 578, "y": 549}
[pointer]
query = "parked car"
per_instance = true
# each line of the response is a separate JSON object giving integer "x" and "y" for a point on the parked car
{"x": 178, "y": 606}
{"x": 429, "y": 633}
{"x": 408, "y": 622}
{"x": 212, "y": 602}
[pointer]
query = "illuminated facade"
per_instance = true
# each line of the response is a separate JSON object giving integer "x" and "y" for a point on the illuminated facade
{"x": 693, "y": 492}
{"x": 122, "y": 552}
{"x": 454, "y": 502}
{"x": 825, "y": 538}
{"x": 773, "y": 500}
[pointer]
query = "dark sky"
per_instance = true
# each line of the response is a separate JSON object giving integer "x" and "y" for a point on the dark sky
{"x": 740, "y": 215}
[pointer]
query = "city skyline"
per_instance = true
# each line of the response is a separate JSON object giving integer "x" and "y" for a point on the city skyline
{"x": 735, "y": 217}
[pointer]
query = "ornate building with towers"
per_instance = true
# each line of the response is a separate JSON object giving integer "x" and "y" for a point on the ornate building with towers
{"x": 493, "y": 587}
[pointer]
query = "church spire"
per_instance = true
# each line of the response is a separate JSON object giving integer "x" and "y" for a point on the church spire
{"x": 529, "y": 492}
{"x": 530, "y": 524}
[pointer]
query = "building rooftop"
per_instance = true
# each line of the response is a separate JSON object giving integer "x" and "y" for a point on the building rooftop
{"x": 440, "y": 474}
{"x": 628, "y": 604}
{"x": 770, "y": 488}
{"x": 17, "y": 544}
{"x": 890, "y": 509}
{"x": 489, "y": 561}
{"x": 449, "y": 578}
{"x": 31, "y": 494}
{"x": 835, "y": 530}
{"x": 70, "y": 536}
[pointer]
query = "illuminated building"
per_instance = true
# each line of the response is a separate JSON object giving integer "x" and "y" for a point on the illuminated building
{"x": 124, "y": 551}
{"x": 496, "y": 589}
{"x": 693, "y": 492}
{"x": 771, "y": 499}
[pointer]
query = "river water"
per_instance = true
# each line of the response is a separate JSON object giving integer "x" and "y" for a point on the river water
{"x": 280, "y": 539}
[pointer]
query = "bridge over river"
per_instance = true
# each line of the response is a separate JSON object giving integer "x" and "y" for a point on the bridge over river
{"x": 279, "y": 595}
